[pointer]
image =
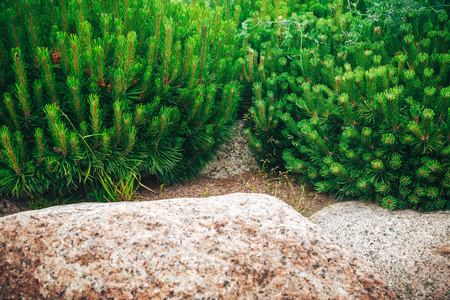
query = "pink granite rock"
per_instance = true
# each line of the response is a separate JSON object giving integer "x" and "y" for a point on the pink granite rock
{"x": 241, "y": 246}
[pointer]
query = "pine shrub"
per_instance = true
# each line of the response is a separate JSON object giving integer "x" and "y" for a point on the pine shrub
{"x": 274, "y": 67}
{"x": 251, "y": 13}
{"x": 105, "y": 89}
{"x": 362, "y": 111}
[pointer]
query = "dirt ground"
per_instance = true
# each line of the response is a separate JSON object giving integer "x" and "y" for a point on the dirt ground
{"x": 300, "y": 198}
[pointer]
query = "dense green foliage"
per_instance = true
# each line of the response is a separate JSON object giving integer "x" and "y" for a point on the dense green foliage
{"x": 99, "y": 90}
{"x": 350, "y": 96}
{"x": 271, "y": 70}
{"x": 358, "y": 109}
{"x": 264, "y": 10}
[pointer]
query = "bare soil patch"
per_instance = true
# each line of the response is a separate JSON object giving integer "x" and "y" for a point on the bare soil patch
{"x": 303, "y": 199}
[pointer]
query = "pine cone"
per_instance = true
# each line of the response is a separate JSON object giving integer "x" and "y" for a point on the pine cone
{"x": 56, "y": 57}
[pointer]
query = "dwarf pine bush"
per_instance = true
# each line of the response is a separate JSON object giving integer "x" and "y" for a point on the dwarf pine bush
{"x": 105, "y": 88}
{"x": 271, "y": 70}
{"x": 251, "y": 12}
{"x": 359, "y": 109}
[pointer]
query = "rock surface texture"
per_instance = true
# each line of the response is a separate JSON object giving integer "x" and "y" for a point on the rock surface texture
{"x": 240, "y": 246}
{"x": 411, "y": 250}
{"x": 234, "y": 158}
